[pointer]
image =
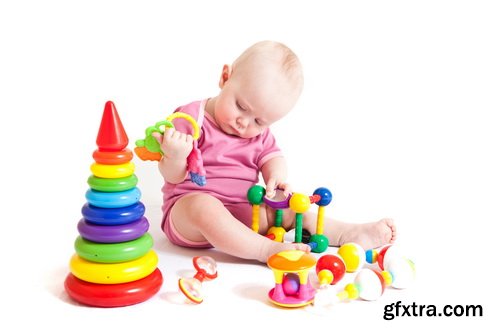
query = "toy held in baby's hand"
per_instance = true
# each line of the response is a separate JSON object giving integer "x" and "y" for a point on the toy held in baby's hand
{"x": 148, "y": 149}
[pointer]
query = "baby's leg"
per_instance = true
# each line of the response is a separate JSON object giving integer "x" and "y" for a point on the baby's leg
{"x": 201, "y": 217}
{"x": 367, "y": 235}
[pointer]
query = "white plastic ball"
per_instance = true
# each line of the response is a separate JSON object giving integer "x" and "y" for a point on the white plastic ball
{"x": 402, "y": 271}
{"x": 370, "y": 285}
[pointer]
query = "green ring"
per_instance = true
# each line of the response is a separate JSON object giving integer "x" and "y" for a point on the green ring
{"x": 112, "y": 184}
{"x": 113, "y": 252}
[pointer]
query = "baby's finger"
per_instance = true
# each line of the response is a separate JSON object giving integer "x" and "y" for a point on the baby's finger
{"x": 169, "y": 132}
{"x": 270, "y": 188}
{"x": 184, "y": 137}
{"x": 189, "y": 138}
{"x": 286, "y": 188}
{"x": 158, "y": 137}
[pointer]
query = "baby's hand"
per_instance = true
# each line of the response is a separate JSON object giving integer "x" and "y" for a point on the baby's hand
{"x": 273, "y": 184}
{"x": 174, "y": 144}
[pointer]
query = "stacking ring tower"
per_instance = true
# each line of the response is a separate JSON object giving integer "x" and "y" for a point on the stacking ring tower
{"x": 114, "y": 264}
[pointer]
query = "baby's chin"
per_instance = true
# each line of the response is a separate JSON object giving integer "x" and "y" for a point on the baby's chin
{"x": 243, "y": 136}
{"x": 232, "y": 132}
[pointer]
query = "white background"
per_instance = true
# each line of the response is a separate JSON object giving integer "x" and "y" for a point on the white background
{"x": 398, "y": 117}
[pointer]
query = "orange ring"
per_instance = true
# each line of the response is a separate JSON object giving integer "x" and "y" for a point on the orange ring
{"x": 112, "y": 157}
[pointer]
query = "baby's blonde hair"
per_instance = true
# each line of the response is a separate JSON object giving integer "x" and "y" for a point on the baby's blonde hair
{"x": 275, "y": 51}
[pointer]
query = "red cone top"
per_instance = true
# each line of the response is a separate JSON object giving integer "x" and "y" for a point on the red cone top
{"x": 111, "y": 136}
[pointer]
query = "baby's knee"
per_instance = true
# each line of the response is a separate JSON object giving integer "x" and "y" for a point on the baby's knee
{"x": 198, "y": 205}
{"x": 202, "y": 199}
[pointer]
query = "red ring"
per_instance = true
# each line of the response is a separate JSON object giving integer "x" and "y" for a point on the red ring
{"x": 112, "y": 157}
{"x": 113, "y": 295}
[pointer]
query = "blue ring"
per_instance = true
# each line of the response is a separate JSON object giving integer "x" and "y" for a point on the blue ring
{"x": 113, "y": 199}
{"x": 113, "y": 216}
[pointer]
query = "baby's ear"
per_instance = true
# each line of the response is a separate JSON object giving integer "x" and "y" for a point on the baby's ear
{"x": 226, "y": 73}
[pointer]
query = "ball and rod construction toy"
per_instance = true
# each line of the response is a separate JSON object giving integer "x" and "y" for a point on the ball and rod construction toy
{"x": 299, "y": 204}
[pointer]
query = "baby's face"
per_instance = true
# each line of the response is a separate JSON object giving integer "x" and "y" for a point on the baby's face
{"x": 251, "y": 100}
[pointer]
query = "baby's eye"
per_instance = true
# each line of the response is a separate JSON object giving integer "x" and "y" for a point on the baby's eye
{"x": 238, "y": 105}
{"x": 258, "y": 122}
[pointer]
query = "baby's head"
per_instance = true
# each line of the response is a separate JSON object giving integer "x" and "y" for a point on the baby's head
{"x": 261, "y": 87}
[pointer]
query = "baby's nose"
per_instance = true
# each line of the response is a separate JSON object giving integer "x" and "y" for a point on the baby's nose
{"x": 242, "y": 122}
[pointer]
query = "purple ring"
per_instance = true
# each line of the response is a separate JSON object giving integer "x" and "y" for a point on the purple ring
{"x": 113, "y": 233}
{"x": 278, "y": 204}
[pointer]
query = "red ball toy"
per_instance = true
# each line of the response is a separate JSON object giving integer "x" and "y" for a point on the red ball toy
{"x": 334, "y": 264}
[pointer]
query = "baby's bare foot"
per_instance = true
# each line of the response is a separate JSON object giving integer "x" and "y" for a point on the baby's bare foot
{"x": 273, "y": 247}
{"x": 370, "y": 235}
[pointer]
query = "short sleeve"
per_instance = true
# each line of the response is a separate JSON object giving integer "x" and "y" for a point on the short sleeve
{"x": 270, "y": 148}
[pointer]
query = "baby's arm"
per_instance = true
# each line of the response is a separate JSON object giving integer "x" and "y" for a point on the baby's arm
{"x": 275, "y": 173}
{"x": 176, "y": 147}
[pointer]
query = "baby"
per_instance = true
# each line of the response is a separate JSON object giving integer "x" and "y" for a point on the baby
{"x": 257, "y": 90}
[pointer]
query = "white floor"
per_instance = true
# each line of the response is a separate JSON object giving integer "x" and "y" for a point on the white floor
{"x": 239, "y": 294}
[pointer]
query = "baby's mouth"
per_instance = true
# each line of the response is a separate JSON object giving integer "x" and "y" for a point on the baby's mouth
{"x": 234, "y": 131}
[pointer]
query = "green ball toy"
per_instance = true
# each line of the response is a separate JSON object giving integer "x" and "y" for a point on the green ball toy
{"x": 255, "y": 194}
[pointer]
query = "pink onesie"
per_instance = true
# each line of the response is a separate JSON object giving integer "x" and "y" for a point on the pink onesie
{"x": 232, "y": 165}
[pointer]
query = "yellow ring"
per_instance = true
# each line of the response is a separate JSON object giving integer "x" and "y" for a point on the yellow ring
{"x": 113, "y": 273}
{"x": 112, "y": 170}
{"x": 191, "y": 120}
